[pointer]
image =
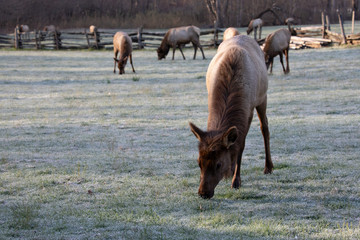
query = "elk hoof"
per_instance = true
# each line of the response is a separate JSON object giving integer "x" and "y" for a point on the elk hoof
{"x": 268, "y": 170}
{"x": 236, "y": 183}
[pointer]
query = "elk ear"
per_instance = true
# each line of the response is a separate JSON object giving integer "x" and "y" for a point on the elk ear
{"x": 199, "y": 134}
{"x": 230, "y": 137}
{"x": 116, "y": 60}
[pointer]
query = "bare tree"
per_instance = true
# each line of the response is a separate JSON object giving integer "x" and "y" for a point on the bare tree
{"x": 218, "y": 10}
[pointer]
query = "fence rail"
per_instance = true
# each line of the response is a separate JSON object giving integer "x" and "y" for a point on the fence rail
{"x": 77, "y": 39}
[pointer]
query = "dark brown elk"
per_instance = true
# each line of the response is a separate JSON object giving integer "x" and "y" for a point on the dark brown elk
{"x": 277, "y": 43}
{"x": 123, "y": 45}
{"x": 230, "y": 32}
{"x": 255, "y": 24}
{"x": 237, "y": 83}
{"x": 177, "y": 37}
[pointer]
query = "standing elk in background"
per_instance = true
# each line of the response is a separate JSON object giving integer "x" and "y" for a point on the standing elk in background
{"x": 237, "y": 82}
{"x": 230, "y": 32}
{"x": 176, "y": 37}
{"x": 254, "y": 25}
{"x": 24, "y": 29}
{"x": 277, "y": 43}
{"x": 123, "y": 45}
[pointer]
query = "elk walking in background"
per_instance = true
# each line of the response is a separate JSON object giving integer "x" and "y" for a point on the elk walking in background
{"x": 177, "y": 37}
{"x": 123, "y": 45}
{"x": 254, "y": 25}
{"x": 230, "y": 32}
{"x": 237, "y": 83}
{"x": 277, "y": 43}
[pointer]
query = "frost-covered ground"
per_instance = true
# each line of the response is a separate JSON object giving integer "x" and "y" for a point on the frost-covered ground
{"x": 88, "y": 154}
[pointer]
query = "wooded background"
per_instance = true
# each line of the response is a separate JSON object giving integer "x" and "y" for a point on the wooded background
{"x": 163, "y": 13}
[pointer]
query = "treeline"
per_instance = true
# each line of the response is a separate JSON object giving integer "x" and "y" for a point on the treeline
{"x": 163, "y": 13}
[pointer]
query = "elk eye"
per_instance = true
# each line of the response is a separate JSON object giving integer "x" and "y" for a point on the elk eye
{"x": 218, "y": 166}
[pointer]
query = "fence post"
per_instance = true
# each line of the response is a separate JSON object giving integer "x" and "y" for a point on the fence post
{"x": 216, "y": 33}
{"x": 353, "y": 22}
{"x": 139, "y": 37}
{"x": 323, "y": 24}
{"x": 17, "y": 38}
{"x": 341, "y": 26}
{"x": 36, "y": 39}
{"x": 57, "y": 40}
{"x": 96, "y": 38}
{"x": 327, "y": 23}
{"x": 87, "y": 38}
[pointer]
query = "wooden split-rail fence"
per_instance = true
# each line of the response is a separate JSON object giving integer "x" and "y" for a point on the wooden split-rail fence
{"x": 77, "y": 39}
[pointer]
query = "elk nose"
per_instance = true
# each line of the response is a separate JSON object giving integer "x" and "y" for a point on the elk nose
{"x": 206, "y": 195}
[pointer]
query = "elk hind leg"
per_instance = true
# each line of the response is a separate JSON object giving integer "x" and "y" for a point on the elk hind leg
{"x": 261, "y": 111}
{"x": 286, "y": 52}
{"x": 195, "y": 50}
{"x": 132, "y": 63}
{"x": 282, "y": 62}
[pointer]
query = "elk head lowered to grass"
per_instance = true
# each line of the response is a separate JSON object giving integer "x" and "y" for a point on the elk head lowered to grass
{"x": 277, "y": 43}
{"x": 177, "y": 37}
{"x": 254, "y": 25}
{"x": 237, "y": 83}
{"x": 123, "y": 45}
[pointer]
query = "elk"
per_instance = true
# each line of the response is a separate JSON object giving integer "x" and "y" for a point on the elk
{"x": 254, "y": 25}
{"x": 277, "y": 43}
{"x": 229, "y": 33}
{"x": 93, "y": 29}
{"x": 50, "y": 28}
{"x": 237, "y": 83}
{"x": 24, "y": 29}
{"x": 177, "y": 37}
{"x": 123, "y": 45}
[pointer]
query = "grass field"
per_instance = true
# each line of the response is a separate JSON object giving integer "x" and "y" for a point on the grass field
{"x": 88, "y": 154}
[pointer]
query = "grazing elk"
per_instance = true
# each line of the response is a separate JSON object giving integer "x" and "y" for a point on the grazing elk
{"x": 176, "y": 37}
{"x": 50, "y": 28}
{"x": 230, "y": 32}
{"x": 236, "y": 82}
{"x": 24, "y": 29}
{"x": 277, "y": 43}
{"x": 123, "y": 45}
{"x": 254, "y": 25}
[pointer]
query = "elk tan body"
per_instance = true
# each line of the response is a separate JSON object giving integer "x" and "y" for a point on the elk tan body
{"x": 177, "y": 37}
{"x": 237, "y": 83}
{"x": 92, "y": 29}
{"x": 277, "y": 43}
{"x": 229, "y": 33}
{"x": 123, "y": 45}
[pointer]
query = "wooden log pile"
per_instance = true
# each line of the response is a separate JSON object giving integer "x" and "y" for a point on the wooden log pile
{"x": 308, "y": 42}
